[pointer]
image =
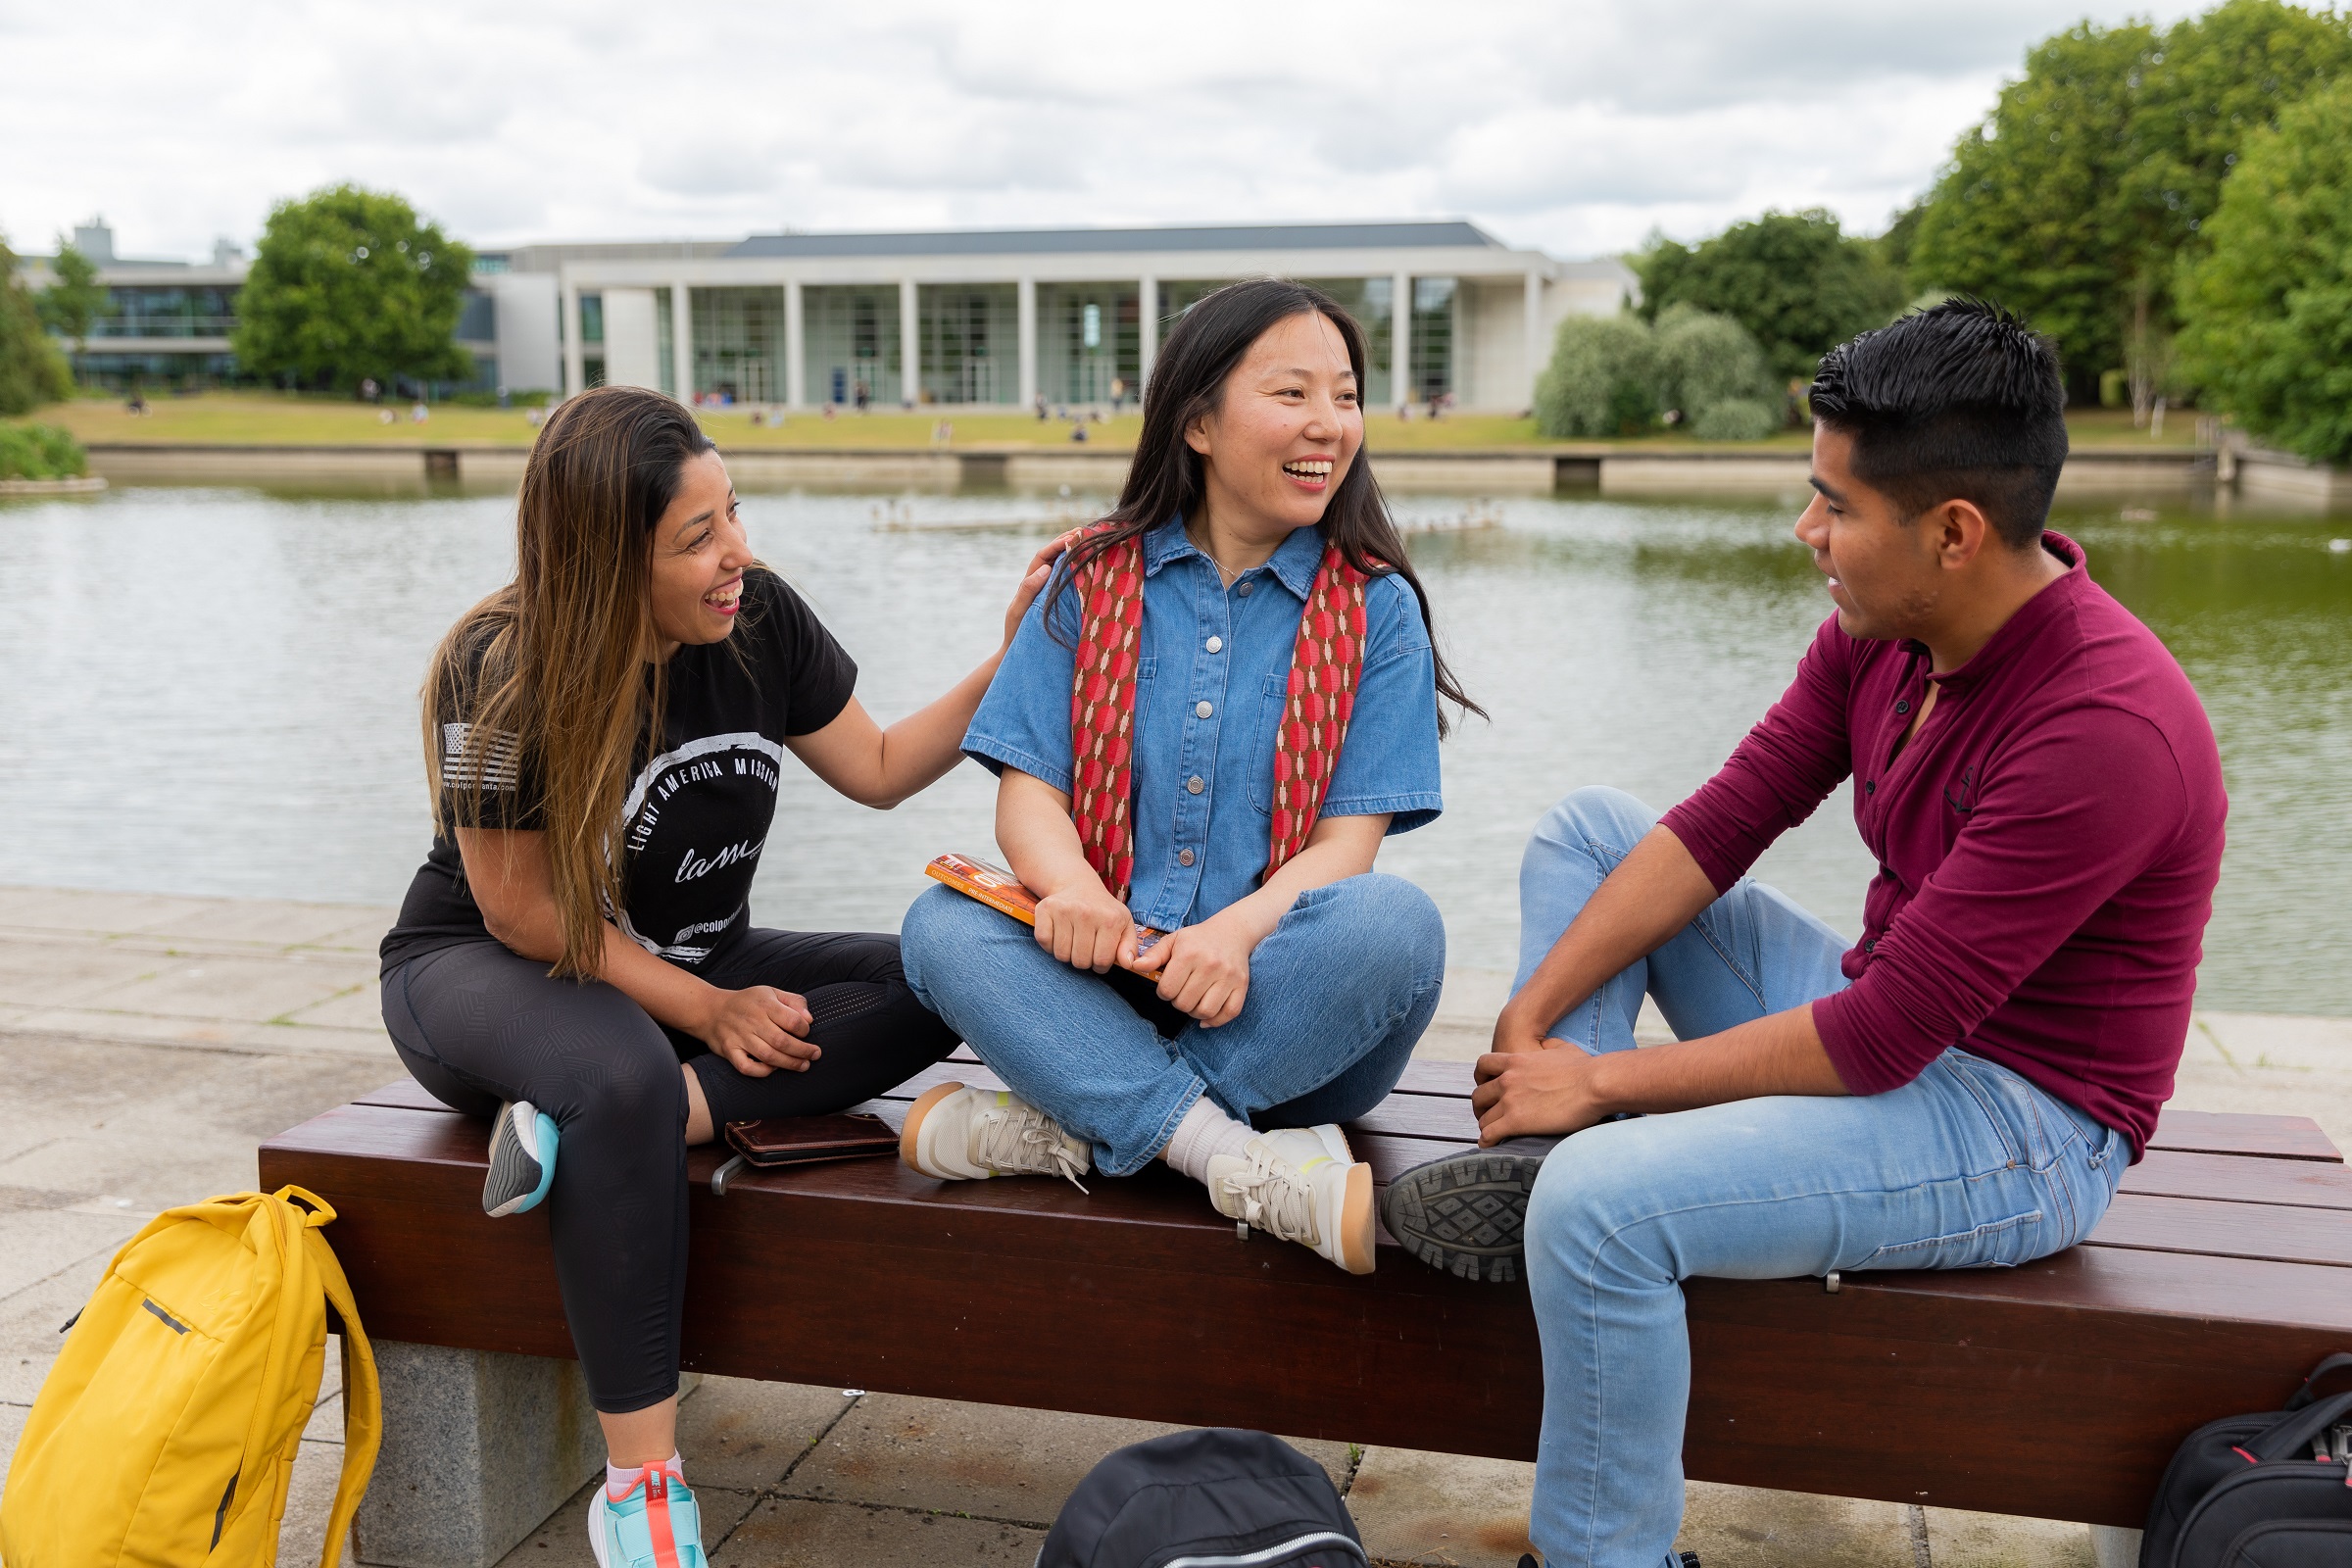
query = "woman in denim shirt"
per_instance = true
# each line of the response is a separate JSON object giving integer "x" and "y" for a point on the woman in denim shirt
{"x": 1206, "y": 728}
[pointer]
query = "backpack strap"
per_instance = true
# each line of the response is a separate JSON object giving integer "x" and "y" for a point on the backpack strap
{"x": 2306, "y": 1393}
{"x": 362, "y": 1394}
{"x": 2289, "y": 1439}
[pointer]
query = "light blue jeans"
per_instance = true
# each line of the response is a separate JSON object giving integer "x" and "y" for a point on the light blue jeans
{"x": 1968, "y": 1166}
{"x": 1338, "y": 995}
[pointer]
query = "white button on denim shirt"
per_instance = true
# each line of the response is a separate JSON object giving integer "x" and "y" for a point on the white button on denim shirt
{"x": 1211, "y": 684}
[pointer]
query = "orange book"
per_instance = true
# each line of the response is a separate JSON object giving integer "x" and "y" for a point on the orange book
{"x": 999, "y": 889}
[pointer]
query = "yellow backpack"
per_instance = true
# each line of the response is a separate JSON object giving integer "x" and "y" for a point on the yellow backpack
{"x": 166, "y": 1431}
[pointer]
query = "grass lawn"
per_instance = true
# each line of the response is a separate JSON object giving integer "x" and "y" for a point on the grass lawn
{"x": 262, "y": 418}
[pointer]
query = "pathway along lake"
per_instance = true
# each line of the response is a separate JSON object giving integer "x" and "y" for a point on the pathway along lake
{"x": 213, "y": 690}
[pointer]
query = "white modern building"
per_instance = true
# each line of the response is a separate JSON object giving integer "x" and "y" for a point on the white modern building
{"x": 958, "y": 318}
{"x": 947, "y": 317}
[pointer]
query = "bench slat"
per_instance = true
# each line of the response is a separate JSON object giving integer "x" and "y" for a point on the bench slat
{"x": 2241, "y": 1179}
{"x": 2206, "y": 1132}
{"x": 2233, "y": 1231}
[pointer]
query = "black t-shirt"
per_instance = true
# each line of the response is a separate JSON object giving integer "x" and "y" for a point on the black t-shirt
{"x": 698, "y": 807}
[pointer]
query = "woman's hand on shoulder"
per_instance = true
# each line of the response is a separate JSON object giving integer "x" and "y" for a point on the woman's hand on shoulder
{"x": 1034, "y": 577}
{"x": 1084, "y": 926}
{"x": 1203, "y": 969}
{"x": 757, "y": 1030}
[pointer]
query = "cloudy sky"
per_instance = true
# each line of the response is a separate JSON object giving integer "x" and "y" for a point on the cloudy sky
{"x": 1577, "y": 127}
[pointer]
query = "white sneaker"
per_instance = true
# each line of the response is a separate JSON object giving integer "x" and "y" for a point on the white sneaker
{"x": 1305, "y": 1186}
{"x": 958, "y": 1134}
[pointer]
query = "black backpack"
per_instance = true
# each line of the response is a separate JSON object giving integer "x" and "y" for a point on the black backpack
{"x": 2247, "y": 1492}
{"x": 1239, "y": 1499}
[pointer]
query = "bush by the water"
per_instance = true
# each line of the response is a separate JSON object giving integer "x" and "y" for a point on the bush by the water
{"x": 1616, "y": 375}
{"x": 40, "y": 452}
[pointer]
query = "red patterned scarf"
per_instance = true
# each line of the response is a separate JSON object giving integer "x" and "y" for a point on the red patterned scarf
{"x": 1325, "y": 661}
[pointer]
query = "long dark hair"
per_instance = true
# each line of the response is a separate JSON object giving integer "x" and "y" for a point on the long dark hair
{"x": 556, "y": 659}
{"x": 1187, "y": 385}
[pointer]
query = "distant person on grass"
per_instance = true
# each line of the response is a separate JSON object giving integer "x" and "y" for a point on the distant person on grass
{"x": 1963, "y": 1087}
{"x": 605, "y": 738}
{"x": 1206, "y": 728}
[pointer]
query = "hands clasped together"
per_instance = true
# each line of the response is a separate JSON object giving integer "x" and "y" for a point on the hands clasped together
{"x": 1203, "y": 969}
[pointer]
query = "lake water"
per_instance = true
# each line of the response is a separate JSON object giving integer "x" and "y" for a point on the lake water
{"x": 213, "y": 690}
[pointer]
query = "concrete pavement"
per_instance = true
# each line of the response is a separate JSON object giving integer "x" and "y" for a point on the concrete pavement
{"x": 151, "y": 1042}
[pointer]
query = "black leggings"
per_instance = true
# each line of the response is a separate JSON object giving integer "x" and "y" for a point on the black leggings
{"x": 478, "y": 1026}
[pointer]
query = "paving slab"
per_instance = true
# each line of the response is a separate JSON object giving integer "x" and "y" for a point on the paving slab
{"x": 310, "y": 1502}
{"x": 36, "y": 1244}
{"x": 796, "y": 1533}
{"x": 739, "y": 1433}
{"x": 1957, "y": 1540}
{"x": 90, "y": 911}
{"x": 1746, "y": 1526}
{"x": 993, "y": 1462}
{"x": 49, "y": 972}
{"x": 1442, "y": 1509}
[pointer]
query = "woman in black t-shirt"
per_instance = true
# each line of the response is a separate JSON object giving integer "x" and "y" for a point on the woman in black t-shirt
{"x": 604, "y": 738}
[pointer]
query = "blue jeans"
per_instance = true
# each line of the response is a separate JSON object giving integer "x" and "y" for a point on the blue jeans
{"x": 1966, "y": 1166}
{"x": 1338, "y": 995}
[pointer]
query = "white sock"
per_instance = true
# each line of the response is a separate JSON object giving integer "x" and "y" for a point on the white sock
{"x": 1206, "y": 1131}
{"x": 619, "y": 1482}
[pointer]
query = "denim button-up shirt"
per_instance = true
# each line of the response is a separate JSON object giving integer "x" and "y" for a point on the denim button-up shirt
{"x": 1210, "y": 687}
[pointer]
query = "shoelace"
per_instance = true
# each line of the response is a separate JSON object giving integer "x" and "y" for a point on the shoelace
{"x": 1024, "y": 1140}
{"x": 1276, "y": 1199}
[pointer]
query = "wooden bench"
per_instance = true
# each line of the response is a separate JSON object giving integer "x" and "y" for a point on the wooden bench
{"x": 2057, "y": 1390}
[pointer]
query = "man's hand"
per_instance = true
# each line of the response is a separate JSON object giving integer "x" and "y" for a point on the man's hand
{"x": 1516, "y": 1032}
{"x": 1083, "y": 926}
{"x": 1203, "y": 969}
{"x": 757, "y": 1030}
{"x": 1523, "y": 1091}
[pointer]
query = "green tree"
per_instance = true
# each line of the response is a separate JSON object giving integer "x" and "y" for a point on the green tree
{"x": 2072, "y": 200}
{"x": 2267, "y": 334}
{"x": 1603, "y": 380}
{"x": 1715, "y": 373}
{"x": 350, "y": 284}
{"x": 75, "y": 301}
{"x": 1794, "y": 280}
{"x": 32, "y": 371}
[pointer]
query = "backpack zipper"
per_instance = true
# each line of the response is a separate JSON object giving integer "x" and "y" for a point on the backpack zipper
{"x": 220, "y": 1514}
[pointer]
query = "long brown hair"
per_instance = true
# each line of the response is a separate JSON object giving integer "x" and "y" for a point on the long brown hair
{"x": 1187, "y": 385}
{"x": 552, "y": 669}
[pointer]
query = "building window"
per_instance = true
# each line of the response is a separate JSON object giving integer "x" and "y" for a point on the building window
{"x": 1089, "y": 335}
{"x": 970, "y": 342}
{"x": 851, "y": 343}
{"x": 592, "y": 319}
{"x": 1432, "y": 340}
{"x": 738, "y": 343}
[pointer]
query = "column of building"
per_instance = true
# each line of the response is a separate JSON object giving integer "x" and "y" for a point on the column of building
{"x": 1147, "y": 312}
{"x": 1401, "y": 340}
{"x": 1536, "y": 356}
{"x": 911, "y": 345}
{"x": 796, "y": 353}
{"x": 1026, "y": 294}
{"x": 681, "y": 339}
{"x": 575, "y": 357}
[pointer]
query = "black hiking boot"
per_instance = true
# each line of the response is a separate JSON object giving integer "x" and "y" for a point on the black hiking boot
{"x": 1464, "y": 1214}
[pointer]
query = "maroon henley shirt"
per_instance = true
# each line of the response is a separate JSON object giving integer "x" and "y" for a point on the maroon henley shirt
{"x": 2048, "y": 847}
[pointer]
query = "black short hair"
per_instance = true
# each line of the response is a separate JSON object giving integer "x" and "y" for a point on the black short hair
{"x": 1962, "y": 401}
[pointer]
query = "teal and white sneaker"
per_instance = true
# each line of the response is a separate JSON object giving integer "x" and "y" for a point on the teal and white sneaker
{"x": 523, "y": 1159}
{"x": 655, "y": 1526}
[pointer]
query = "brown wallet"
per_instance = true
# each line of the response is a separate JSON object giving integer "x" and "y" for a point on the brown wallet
{"x": 807, "y": 1140}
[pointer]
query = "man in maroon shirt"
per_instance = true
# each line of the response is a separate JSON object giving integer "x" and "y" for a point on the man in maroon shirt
{"x": 1965, "y": 1085}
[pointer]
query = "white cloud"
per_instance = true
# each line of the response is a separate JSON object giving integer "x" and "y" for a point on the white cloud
{"x": 1577, "y": 127}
